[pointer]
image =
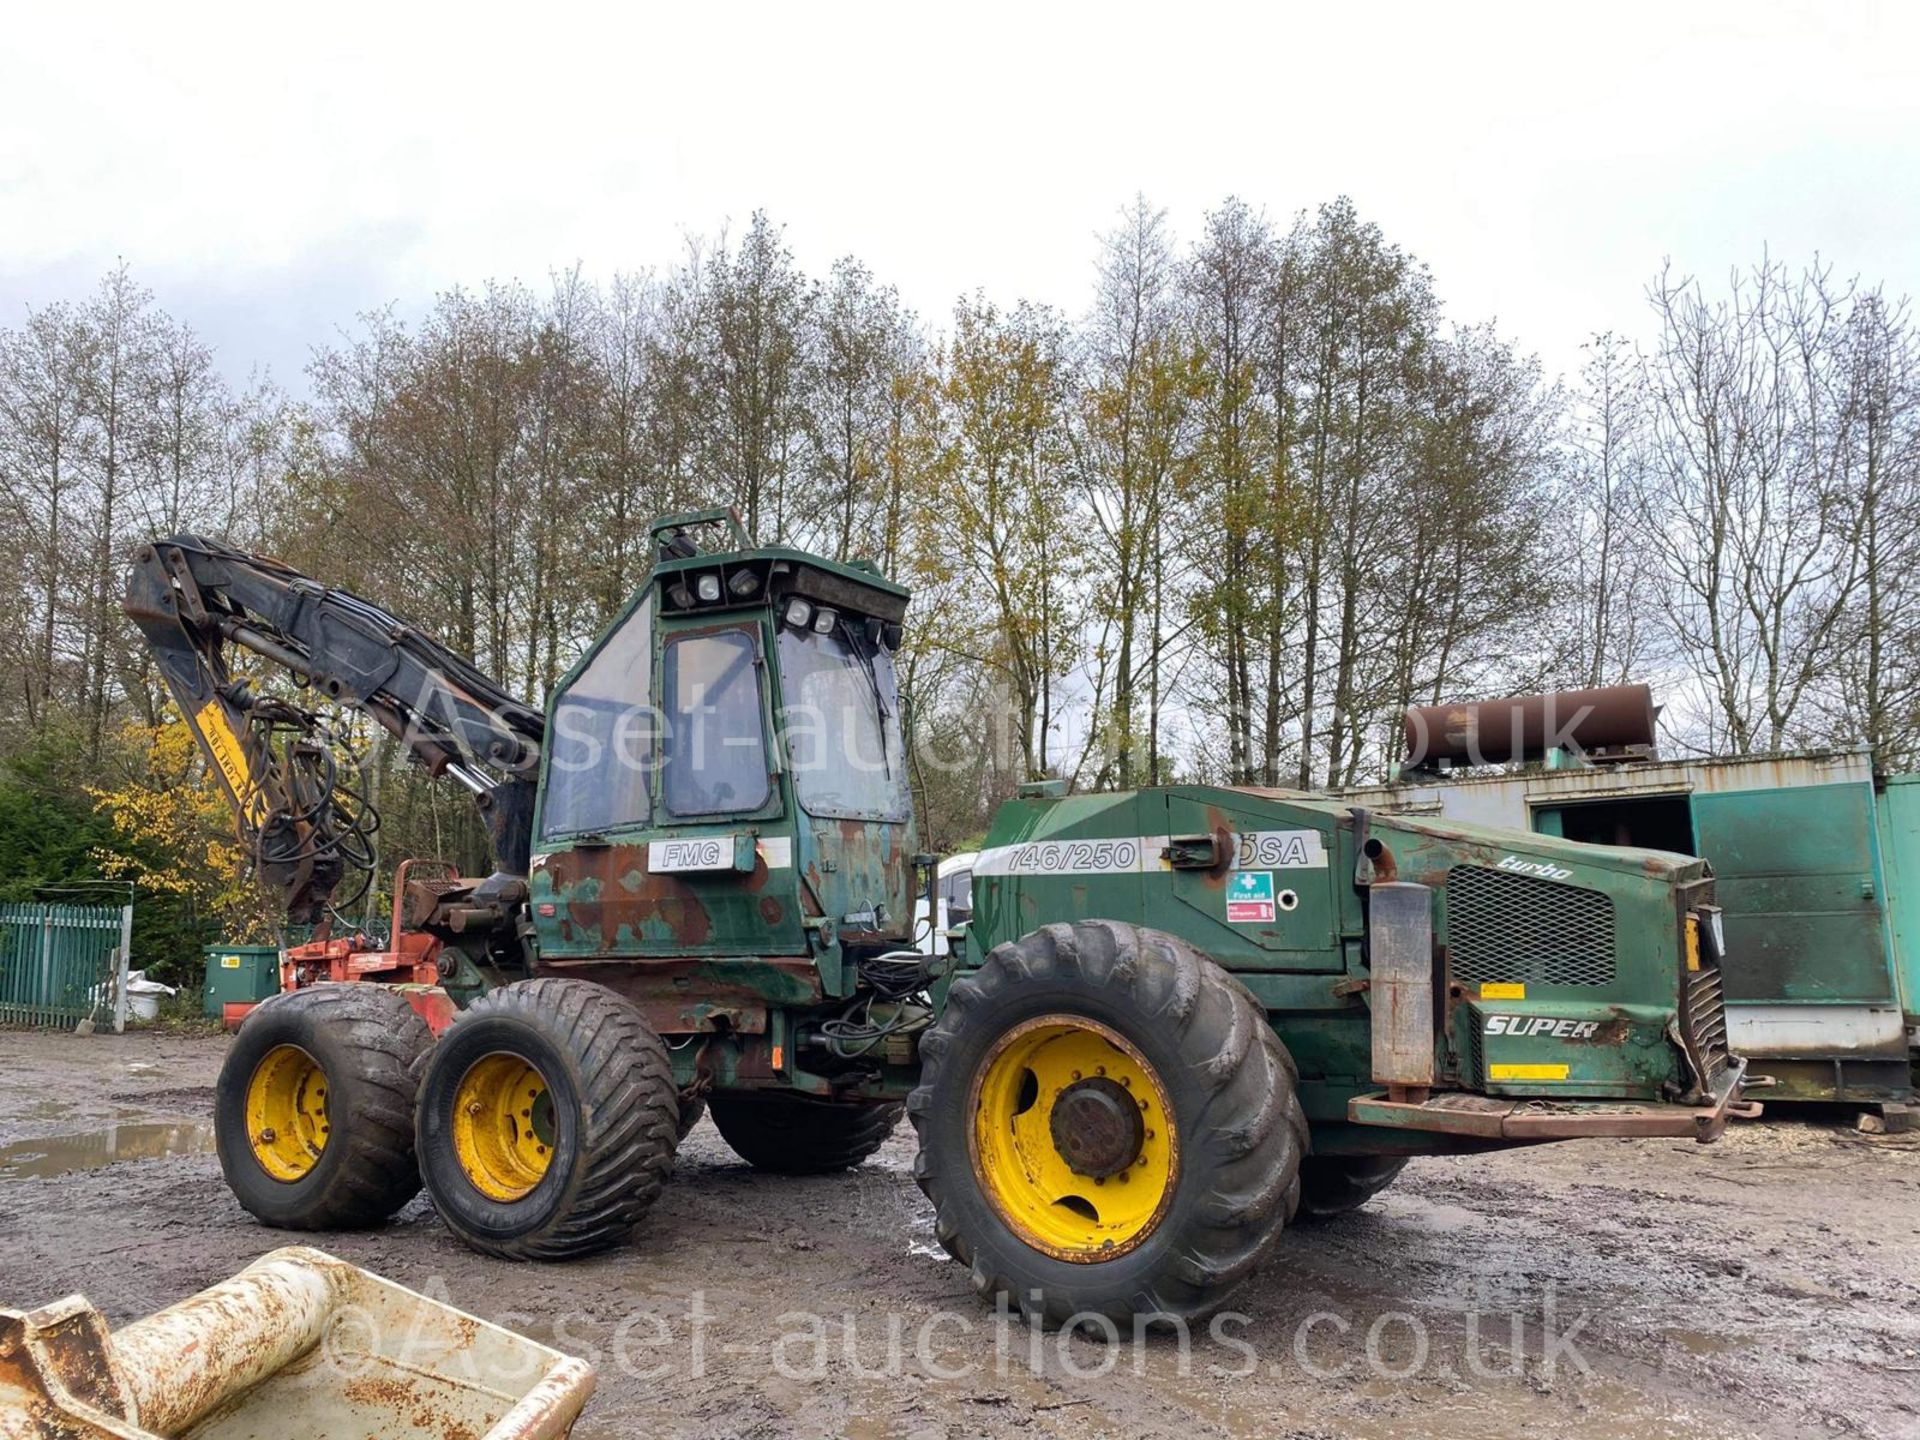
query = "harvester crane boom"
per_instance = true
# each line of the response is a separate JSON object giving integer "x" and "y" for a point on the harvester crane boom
{"x": 193, "y": 598}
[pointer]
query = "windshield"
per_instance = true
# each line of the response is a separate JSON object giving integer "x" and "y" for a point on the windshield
{"x": 842, "y": 724}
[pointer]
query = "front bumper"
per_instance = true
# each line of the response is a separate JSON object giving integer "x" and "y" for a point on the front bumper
{"x": 1489, "y": 1117}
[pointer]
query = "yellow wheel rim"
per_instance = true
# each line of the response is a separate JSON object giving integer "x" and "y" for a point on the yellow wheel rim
{"x": 1072, "y": 1138}
{"x": 503, "y": 1126}
{"x": 287, "y": 1112}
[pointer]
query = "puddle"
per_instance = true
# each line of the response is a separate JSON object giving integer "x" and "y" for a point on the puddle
{"x": 64, "y": 1154}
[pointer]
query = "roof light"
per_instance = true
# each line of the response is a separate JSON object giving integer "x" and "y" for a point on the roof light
{"x": 743, "y": 583}
{"x": 708, "y": 586}
{"x": 823, "y": 622}
{"x": 799, "y": 612}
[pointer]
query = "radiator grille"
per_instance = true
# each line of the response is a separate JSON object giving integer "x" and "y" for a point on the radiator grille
{"x": 1707, "y": 1020}
{"x": 1504, "y": 928}
{"x": 1472, "y": 1060}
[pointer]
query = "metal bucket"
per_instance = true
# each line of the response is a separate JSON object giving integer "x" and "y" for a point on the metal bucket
{"x": 299, "y": 1344}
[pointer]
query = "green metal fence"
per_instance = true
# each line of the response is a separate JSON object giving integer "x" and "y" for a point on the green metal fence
{"x": 61, "y": 964}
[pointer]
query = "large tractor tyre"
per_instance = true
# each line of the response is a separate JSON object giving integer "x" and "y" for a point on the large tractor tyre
{"x": 547, "y": 1120}
{"x": 313, "y": 1113}
{"x": 1332, "y": 1185}
{"x": 793, "y": 1135}
{"x": 1108, "y": 1126}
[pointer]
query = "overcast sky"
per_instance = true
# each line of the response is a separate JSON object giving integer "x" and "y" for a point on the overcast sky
{"x": 271, "y": 170}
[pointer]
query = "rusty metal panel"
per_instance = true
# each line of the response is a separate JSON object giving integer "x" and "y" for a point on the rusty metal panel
{"x": 1400, "y": 951}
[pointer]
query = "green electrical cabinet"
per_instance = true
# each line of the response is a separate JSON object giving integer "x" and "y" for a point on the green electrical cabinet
{"x": 240, "y": 974}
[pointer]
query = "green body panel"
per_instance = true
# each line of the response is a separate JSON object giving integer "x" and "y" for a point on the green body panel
{"x": 1102, "y": 856}
{"x": 1899, "y": 805}
{"x": 240, "y": 975}
{"x": 1798, "y": 872}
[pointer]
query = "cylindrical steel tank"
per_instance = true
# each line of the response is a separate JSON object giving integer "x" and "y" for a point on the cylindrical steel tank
{"x": 1490, "y": 732}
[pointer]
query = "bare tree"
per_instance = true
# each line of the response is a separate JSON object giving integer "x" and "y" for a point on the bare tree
{"x": 1745, "y": 507}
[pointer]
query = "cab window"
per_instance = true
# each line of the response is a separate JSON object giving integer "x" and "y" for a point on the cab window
{"x": 842, "y": 725}
{"x": 600, "y": 751}
{"x": 714, "y": 754}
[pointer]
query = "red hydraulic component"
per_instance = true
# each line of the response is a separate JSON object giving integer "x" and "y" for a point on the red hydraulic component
{"x": 410, "y": 963}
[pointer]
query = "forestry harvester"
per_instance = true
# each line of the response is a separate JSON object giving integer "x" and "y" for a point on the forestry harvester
{"x": 1177, "y": 1019}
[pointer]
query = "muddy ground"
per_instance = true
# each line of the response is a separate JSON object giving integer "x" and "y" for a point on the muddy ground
{"x": 1768, "y": 1285}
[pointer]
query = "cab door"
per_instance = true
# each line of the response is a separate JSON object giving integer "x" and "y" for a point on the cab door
{"x": 661, "y": 826}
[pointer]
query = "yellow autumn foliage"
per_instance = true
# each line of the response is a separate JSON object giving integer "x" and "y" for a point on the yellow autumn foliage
{"x": 179, "y": 830}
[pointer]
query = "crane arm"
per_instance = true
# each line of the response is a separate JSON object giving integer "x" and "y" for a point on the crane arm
{"x": 193, "y": 598}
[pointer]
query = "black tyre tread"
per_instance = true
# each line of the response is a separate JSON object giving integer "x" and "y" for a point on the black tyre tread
{"x": 790, "y": 1135}
{"x": 383, "y": 1036}
{"x": 628, "y": 1103}
{"x": 1335, "y": 1185}
{"x": 1217, "y": 1022}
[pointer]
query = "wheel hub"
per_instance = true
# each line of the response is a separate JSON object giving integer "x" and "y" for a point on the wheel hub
{"x": 1072, "y": 1140}
{"x": 287, "y": 1117}
{"x": 1097, "y": 1127}
{"x": 503, "y": 1126}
